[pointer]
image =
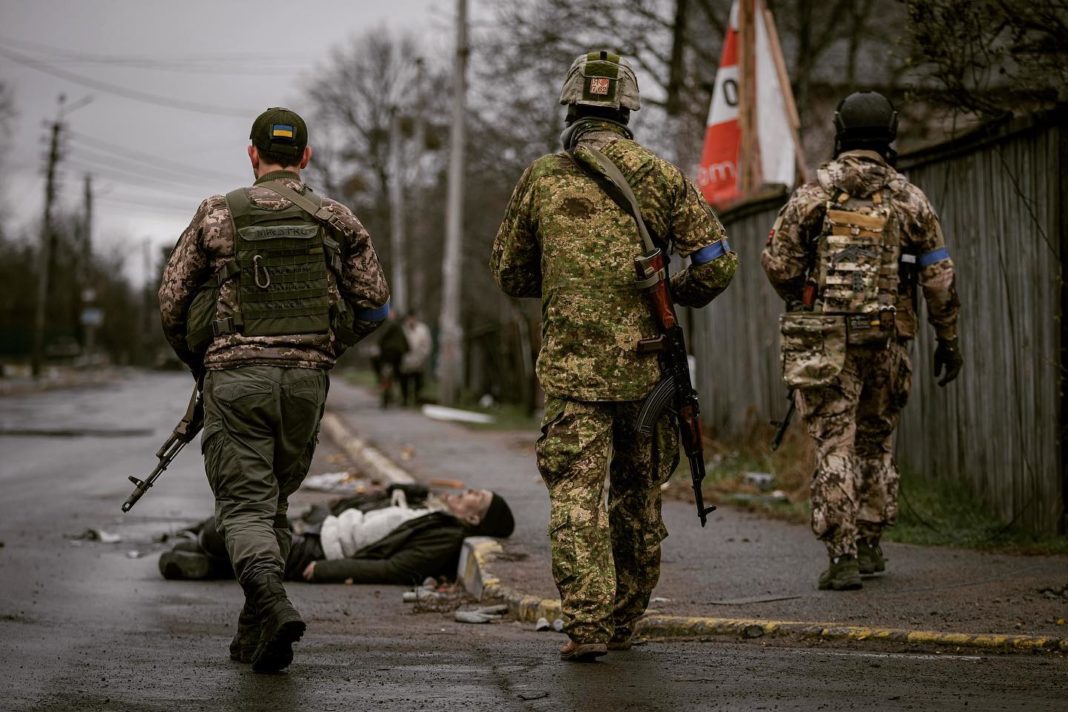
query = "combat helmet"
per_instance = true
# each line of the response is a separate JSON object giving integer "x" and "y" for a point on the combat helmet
{"x": 601, "y": 79}
{"x": 864, "y": 119}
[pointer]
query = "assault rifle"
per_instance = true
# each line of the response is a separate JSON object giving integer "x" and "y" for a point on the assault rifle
{"x": 808, "y": 302}
{"x": 675, "y": 393}
{"x": 185, "y": 431}
{"x": 784, "y": 423}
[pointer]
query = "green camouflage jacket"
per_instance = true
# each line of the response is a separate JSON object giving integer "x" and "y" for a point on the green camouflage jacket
{"x": 208, "y": 243}
{"x": 793, "y": 241}
{"x": 564, "y": 240}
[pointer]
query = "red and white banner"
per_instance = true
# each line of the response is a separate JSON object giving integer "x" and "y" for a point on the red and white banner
{"x": 718, "y": 174}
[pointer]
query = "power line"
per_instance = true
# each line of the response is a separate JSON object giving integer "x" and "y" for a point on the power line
{"x": 228, "y": 57}
{"x": 134, "y": 94}
{"x": 107, "y": 160}
{"x": 148, "y": 158}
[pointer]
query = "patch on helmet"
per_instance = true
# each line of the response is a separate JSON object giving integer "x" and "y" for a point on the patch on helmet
{"x": 599, "y": 86}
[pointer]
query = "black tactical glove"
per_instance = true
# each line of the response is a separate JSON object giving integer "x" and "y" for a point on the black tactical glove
{"x": 947, "y": 355}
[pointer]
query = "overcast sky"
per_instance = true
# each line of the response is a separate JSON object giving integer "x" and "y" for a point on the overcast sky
{"x": 219, "y": 63}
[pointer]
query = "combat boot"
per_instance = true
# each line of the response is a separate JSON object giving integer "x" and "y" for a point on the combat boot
{"x": 842, "y": 575}
{"x": 243, "y": 646}
{"x": 582, "y": 652}
{"x": 280, "y": 624}
{"x": 622, "y": 639}
{"x": 870, "y": 559}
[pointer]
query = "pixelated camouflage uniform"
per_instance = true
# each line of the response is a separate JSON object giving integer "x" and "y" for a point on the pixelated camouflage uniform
{"x": 263, "y": 395}
{"x": 852, "y": 418}
{"x": 564, "y": 240}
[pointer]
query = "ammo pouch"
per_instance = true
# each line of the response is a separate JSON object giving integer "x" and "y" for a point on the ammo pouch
{"x": 198, "y": 329}
{"x": 341, "y": 321}
{"x": 813, "y": 348}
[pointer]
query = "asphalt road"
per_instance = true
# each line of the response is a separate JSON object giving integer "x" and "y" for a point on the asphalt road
{"x": 92, "y": 626}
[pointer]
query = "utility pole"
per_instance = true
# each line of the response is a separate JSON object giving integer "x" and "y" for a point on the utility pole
{"x": 450, "y": 367}
{"x": 398, "y": 286}
{"x": 44, "y": 261}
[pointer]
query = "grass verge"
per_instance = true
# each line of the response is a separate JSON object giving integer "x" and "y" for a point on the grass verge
{"x": 930, "y": 512}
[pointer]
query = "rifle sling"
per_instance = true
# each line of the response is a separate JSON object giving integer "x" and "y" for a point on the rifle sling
{"x": 612, "y": 181}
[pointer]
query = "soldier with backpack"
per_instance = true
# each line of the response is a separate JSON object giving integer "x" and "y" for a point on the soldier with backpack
{"x": 264, "y": 290}
{"x": 847, "y": 253}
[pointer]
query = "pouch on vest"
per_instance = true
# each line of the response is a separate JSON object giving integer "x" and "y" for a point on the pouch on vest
{"x": 859, "y": 255}
{"x": 198, "y": 330}
{"x": 813, "y": 348}
{"x": 341, "y": 318}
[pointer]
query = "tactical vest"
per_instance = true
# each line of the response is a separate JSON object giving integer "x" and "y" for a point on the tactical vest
{"x": 280, "y": 267}
{"x": 858, "y": 271}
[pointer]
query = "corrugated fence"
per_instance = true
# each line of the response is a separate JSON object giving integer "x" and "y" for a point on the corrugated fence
{"x": 1002, "y": 199}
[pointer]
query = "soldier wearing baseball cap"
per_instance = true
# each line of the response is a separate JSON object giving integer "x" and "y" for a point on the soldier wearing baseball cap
{"x": 260, "y": 350}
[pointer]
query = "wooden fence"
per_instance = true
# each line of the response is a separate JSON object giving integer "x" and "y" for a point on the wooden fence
{"x": 1002, "y": 197}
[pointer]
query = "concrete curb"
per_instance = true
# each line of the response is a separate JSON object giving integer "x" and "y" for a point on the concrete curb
{"x": 476, "y": 577}
{"x": 370, "y": 461}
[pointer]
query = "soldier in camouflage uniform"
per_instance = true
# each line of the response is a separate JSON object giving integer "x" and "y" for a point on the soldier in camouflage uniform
{"x": 564, "y": 240}
{"x": 265, "y": 288}
{"x": 850, "y": 386}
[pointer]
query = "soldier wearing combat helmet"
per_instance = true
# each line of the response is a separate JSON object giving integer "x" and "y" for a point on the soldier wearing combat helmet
{"x": 565, "y": 241}
{"x": 847, "y": 253}
{"x": 265, "y": 288}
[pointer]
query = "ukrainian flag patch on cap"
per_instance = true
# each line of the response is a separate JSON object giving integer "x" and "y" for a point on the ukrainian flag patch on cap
{"x": 284, "y": 131}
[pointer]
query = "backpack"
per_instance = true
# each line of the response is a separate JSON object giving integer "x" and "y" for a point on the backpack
{"x": 858, "y": 257}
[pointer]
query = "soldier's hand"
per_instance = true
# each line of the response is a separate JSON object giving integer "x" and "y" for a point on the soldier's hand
{"x": 947, "y": 356}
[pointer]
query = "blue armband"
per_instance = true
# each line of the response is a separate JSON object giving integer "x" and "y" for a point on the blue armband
{"x": 373, "y": 313}
{"x": 710, "y": 252}
{"x": 929, "y": 258}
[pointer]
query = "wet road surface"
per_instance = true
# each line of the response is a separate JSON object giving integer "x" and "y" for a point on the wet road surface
{"x": 92, "y": 626}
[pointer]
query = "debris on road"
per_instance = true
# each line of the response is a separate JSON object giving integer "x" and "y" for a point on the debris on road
{"x": 346, "y": 482}
{"x": 544, "y": 624}
{"x": 485, "y": 614}
{"x": 94, "y": 535}
{"x": 438, "y": 412}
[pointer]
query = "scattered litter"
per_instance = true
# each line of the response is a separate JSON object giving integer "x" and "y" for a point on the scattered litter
{"x": 533, "y": 695}
{"x": 761, "y": 480}
{"x": 438, "y": 412}
{"x": 544, "y": 624}
{"x": 774, "y": 497}
{"x": 338, "y": 482}
{"x": 133, "y": 554}
{"x": 486, "y": 401}
{"x": 407, "y": 453}
{"x": 94, "y": 535}
{"x": 485, "y": 614}
{"x": 659, "y": 599}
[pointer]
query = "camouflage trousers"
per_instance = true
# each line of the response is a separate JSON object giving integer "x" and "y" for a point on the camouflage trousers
{"x": 852, "y": 419}
{"x": 605, "y": 560}
{"x": 260, "y": 430}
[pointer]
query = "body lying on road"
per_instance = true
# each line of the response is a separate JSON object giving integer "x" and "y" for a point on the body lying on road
{"x": 399, "y": 535}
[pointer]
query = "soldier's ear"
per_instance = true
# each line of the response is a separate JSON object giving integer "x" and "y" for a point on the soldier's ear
{"x": 254, "y": 157}
{"x": 473, "y": 519}
{"x": 305, "y": 157}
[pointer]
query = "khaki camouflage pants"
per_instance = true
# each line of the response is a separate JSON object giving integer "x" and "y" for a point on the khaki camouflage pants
{"x": 605, "y": 563}
{"x": 854, "y": 488}
{"x": 260, "y": 429}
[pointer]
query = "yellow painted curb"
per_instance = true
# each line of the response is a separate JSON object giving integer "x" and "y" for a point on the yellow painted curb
{"x": 660, "y": 627}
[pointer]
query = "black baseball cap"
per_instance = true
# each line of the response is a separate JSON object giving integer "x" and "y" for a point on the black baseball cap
{"x": 280, "y": 132}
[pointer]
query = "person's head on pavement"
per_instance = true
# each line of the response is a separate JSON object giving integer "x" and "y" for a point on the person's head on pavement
{"x": 484, "y": 512}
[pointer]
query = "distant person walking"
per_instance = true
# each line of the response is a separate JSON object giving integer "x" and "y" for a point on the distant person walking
{"x": 392, "y": 346}
{"x": 265, "y": 289}
{"x": 413, "y": 364}
{"x": 847, "y": 254}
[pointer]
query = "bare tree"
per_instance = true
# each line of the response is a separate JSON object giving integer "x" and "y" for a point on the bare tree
{"x": 990, "y": 57}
